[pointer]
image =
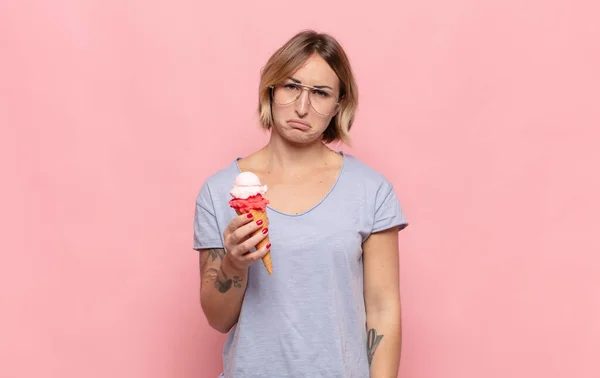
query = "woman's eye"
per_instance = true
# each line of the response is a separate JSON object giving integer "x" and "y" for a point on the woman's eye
{"x": 291, "y": 86}
{"x": 321, "y": 93}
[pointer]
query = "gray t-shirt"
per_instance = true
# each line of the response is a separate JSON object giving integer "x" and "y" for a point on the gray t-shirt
{"x": 308, "y": 318}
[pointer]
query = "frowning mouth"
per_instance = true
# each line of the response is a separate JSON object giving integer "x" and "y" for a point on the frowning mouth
{"x": 297, "y": 124}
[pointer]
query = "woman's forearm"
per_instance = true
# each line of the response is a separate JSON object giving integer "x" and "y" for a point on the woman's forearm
{"x": 222, "y": 289}
{"x": 384, "y": 341}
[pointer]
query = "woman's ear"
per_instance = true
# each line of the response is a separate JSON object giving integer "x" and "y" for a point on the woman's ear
{"x": 337, "y": 111}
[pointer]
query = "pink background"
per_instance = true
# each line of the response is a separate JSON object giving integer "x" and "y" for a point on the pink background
{"x": 485, "y": 115}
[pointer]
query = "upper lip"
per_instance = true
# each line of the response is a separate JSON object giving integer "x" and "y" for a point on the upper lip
{"x": 298, "y": 121}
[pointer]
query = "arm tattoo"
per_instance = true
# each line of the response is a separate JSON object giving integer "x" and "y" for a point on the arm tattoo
{"x": 216, "y": 254}
{"x": 373, "y": 340}
{"x": 224, "y": 284}
{"x": 221, "y": 281}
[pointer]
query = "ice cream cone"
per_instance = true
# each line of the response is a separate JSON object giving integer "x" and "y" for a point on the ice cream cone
{"x": 248, "y": 197}
{"x": 262, "y": 215}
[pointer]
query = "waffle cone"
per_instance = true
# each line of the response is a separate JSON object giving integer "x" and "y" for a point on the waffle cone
{"x": 262, "y": 214}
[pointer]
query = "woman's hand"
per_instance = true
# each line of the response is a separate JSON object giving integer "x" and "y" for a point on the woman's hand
{"x": 239, "y": 240}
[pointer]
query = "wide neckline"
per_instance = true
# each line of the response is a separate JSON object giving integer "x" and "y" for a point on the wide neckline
{"x": 337, "y": 180}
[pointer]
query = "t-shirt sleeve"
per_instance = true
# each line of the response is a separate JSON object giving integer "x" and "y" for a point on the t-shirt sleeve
{"x": 388, "y": 211}
{"x": 206, "y": 227}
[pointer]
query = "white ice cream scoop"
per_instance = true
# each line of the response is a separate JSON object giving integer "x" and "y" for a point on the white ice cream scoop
{"x": 247, "y": 184}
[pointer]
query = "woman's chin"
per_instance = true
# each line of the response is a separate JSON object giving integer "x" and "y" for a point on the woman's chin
{"x": 299, "y": 137}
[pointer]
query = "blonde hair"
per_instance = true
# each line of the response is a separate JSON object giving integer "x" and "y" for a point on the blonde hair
{"x": 290, "y": 57}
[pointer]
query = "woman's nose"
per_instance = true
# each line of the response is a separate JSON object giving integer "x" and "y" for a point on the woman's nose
{"x": 303, "y": 103}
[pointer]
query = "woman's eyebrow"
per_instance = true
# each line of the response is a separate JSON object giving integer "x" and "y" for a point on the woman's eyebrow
{"x": 315, "y": 86}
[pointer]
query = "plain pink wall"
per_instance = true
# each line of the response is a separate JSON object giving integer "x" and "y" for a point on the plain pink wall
{"x": 485, "y": 115}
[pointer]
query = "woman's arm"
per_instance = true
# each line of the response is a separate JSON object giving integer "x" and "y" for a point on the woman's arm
{"x": 223, "y": 275}
{"x": 382, "y": 301}
{"x": 222, "y": 289}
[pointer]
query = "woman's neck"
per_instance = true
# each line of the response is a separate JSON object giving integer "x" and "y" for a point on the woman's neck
{"x": 281, "y": 156}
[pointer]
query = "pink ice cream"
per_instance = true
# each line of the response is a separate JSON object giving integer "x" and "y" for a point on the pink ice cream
{"x": 248, "y": 193}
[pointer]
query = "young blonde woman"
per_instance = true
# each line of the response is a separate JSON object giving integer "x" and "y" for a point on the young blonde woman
{"x": 332, "y": 306}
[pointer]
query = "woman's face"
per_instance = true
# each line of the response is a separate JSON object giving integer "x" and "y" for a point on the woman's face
{"x": 298, "y": 121}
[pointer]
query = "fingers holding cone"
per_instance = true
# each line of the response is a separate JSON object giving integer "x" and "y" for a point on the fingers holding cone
{"x": 262, "y": 215}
